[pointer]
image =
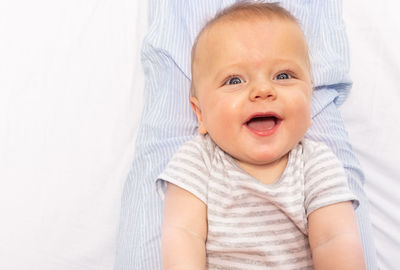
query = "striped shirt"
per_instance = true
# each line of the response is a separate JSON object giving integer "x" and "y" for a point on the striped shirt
{"x": 252, "y": 225}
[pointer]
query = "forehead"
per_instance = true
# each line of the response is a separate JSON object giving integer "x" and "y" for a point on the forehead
{"x": 268, "y": 32}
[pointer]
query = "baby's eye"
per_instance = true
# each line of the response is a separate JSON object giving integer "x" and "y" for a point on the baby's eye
{"x": 234, "y": 80}
{"x": 283, "y": 76}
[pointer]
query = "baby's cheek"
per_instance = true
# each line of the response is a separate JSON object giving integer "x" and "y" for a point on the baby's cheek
{"x": 302, "y": 104}
{"x": 228, "y": 112}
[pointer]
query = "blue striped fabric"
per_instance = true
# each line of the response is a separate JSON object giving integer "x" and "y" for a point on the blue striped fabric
{"x": 167, "y": 120}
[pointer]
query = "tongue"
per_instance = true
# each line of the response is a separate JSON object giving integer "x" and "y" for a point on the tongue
{"x": 261, "y": 124}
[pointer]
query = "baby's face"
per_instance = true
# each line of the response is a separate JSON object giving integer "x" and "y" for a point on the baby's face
{"x": 253, "y": 88}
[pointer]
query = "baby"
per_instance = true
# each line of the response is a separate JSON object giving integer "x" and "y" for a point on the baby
{"x": 249, "y": 192}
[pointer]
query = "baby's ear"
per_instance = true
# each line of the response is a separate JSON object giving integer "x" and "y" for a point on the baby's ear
{"x": 194, "y": 102}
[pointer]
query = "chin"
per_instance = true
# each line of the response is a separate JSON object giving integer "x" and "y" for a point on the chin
{"x": 264, "y": 159}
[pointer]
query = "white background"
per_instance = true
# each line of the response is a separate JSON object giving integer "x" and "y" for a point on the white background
{"x": 70, "y": 97}
{"x": 372, "y": 115}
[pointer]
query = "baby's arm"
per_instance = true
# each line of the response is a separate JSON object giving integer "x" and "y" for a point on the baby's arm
{"x": 334, "y": 238}
{"x": 328, "y": 127}
{"x": 184, "y": 231}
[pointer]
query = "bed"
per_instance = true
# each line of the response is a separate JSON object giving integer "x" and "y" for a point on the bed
{"x": 70, "y": 98}
{"x": 372, "y": 113}
{"x": 71, "y": 92}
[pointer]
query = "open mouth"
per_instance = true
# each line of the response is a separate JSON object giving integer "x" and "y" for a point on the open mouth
{"x": 263, "y": 123}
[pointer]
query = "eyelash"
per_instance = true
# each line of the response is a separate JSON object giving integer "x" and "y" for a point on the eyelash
{"x": 290, "y": 74}
{"x": 226, "y": 81}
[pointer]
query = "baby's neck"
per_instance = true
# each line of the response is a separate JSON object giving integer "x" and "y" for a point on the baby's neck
{"x": 267, "y": 174}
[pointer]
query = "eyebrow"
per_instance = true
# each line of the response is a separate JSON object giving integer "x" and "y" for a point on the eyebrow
{"x": 227, "y": 68}
{"x": 298, "y": 65}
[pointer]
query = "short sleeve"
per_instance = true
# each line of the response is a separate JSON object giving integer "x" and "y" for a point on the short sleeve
{"x": 188, "y": 169}
{"x": 325, "y": 181}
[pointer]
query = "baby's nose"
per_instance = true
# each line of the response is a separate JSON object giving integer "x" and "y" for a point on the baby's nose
{"x": 262, "y": 92}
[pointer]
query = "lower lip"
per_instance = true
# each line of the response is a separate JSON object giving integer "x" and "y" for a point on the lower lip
{"x": 265, "y": 133}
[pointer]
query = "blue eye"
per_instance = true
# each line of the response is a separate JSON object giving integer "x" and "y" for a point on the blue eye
{"x": 234, "y": 80}
{"x": 283, "y": 76}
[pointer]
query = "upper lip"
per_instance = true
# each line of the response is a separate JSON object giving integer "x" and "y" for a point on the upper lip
{"x": 263, "y": 114}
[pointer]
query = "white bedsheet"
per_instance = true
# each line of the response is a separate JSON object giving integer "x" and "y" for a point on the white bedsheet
{"x": 70, "y": 97}
{"x": 372, "y": 115}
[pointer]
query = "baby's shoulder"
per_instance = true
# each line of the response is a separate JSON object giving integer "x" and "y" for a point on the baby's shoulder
{"x": 201, "y": 148}
{"x": 312, "y": 149}
{"x": 201, "y": 144}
